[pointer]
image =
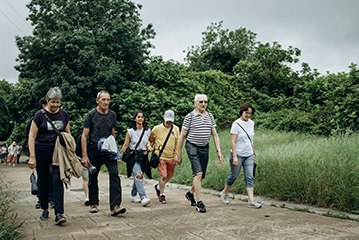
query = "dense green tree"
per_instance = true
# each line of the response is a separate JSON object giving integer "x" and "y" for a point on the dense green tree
{"x": 221, "y": 49}
{"x": 83, "y": 47}
{"x": 6, "y": 119}
{"x": 269, "y": 70}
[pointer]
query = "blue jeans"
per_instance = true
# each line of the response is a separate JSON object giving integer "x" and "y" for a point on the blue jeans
{"x": 247, "y": 163}
{"x": 137, "y": 186}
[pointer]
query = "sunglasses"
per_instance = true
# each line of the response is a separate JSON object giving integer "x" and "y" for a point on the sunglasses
{"x": 202, "y": 101}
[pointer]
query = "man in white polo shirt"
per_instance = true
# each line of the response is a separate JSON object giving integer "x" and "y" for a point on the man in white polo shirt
{"x": 200, "y": 125}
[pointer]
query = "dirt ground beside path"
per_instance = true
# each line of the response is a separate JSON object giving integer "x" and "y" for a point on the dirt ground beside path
{"x": 174, "y": 220}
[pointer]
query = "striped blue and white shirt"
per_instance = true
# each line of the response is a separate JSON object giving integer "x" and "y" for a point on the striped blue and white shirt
{"x": 198, "y": 127}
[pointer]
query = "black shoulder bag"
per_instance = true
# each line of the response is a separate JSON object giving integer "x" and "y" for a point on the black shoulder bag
{"x": 255, "y": 165}
{"x": 155, "y": 159}
{"x": 127, "y": 154}
{"x": 61, "y": 138}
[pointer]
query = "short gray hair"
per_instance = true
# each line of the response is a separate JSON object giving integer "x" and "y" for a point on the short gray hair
{"x": 200, "y": 95}
{"x": 99, "y": 93}
{"x": 54, "y": 92}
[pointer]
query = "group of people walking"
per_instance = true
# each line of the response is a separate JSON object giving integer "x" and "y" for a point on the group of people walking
{"x": 10, "y": 154}
{"x": 165, "y": 140}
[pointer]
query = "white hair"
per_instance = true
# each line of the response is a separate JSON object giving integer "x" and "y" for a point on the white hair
{"x": 200, "y": 95}
{"x": 99, "y": 93}
{"x": 54, "y": 92}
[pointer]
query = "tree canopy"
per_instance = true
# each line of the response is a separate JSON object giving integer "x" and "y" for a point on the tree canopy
{"x": 83, "y": 47}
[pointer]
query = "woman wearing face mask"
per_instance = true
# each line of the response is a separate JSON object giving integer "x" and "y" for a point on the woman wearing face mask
{"x": 242, "y": 154}
{"x": 138, "y": 161}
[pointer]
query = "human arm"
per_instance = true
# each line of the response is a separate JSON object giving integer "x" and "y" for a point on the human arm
{"x": 31, "y": 142}
{"x": 178, "y": 159}
{"x": 85, "y": 158}
{"x": 113, "y": 133}
{"x": 150, "y": 143}
{"x": 217, "y": 144}
{"x": 234, "y": 150}
{"x": 126, "y": 143}
{"x": 67, "y": 128}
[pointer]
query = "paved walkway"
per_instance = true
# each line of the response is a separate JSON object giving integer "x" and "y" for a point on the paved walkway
{"x": 174, "y": 220}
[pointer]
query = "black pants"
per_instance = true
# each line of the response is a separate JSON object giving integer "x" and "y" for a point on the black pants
{"x": 97, "y": 159}
{"x": 42, "y": 167}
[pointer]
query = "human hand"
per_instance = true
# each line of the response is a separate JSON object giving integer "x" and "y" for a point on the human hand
{"x": 235, "y": 161}
{"x": 32, "y": 162}
{"x": 220, "y": 157}
{"x": 150, "y": 149}
{"x": 84, "y": 161}
{"x": 178, "y": 160}
{"x": 118, "y": 162}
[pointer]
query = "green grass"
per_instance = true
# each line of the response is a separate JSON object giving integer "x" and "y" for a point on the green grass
{"x": 9, "y": 227}
{"x": 322, "y": 171}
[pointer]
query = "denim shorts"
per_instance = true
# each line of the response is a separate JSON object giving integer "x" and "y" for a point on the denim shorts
{"x": 198, "y": 157}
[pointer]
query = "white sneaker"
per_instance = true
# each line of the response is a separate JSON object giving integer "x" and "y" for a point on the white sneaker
{"x": 254, "y": 204}
{"x": 145, "y": 201}
{"x": 135, "y": 199}
{"x": 224, "y": 198}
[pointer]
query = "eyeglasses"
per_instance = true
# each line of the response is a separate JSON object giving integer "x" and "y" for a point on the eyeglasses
{"x": 202, "y": 101}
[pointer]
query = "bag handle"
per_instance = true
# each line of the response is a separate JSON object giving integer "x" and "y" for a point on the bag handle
{"x": 61, "y": 139}
{"x": 164, "y": 145}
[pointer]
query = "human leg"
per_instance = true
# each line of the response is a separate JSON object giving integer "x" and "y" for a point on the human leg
{"x": 93, "y": 178}
{"x": 58, "y": 190}
{"x": 42, "y": 167}
{"x": 138, "y": 181}
{"x": 248, "y": 164}
{"x": 234, "y": 173}
{"x": 115, "y": 183}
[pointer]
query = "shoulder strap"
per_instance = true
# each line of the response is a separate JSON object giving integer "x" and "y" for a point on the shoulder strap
{"x": 246, "y": 133}
{"x": 61, "y": 139}
{"x": 164, "y": 145}
{"x": 139, "y": 141}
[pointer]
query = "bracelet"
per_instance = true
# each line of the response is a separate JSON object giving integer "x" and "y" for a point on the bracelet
{"x": 218, "y": 150}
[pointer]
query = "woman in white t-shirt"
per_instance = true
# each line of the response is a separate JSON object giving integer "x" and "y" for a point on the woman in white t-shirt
{"x": 138, "y": 162}
{"x": 12, "y": 154}
{"x": 242, "y": 154}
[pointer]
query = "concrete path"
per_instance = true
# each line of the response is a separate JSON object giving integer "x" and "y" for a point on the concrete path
{"x": 174, "y": 220}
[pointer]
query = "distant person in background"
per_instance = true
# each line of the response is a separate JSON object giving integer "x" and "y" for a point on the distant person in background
{"x": 42, "y": 138}
{"x": 4, "y": 153}
{"x": 167, "y": 164}
{"x": 12, "y": 150}
{"x": 200, "y": 125}
{"x": 19, "y": 150}
{"x": 242, "y": 154}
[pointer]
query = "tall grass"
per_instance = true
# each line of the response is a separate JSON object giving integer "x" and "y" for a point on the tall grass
{"x": 291, "y": 166}
{"x": 9, "y": 227}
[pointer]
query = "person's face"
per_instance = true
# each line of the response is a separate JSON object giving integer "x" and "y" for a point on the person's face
{"x": 54, "y": 104}
{"x": 104, "y": 101}
{"x": 201, "y": 104}
{"x": 139, "y": 118}
{"x": 168, "y": 124}
{"x": 246, "y": 115}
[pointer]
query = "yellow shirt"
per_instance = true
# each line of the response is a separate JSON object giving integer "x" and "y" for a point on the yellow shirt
{"x": 160, "y": 133}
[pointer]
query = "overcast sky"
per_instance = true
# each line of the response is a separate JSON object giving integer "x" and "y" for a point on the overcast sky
{"x": 326, "y": 31}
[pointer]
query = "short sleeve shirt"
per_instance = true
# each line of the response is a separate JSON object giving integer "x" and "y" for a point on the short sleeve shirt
{"x": 243, "y": 144}
{"x": 160, "y": 133}
{"x": 135, "y": 136}
{"x": 199, "y": 128}
{"x": 46, "y": 135}
{"x": 100, "y": 124}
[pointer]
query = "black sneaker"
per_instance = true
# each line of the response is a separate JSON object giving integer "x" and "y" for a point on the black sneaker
{"x": 45, "y": 215}
{"x": 52, "y": 204}
{"x": 201, "y": 207}
{"x": 190, "y": 198}
{"x": 38, "y": 205}
{"x": 59, "y": 219}
{"x": 157, "y": 191}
